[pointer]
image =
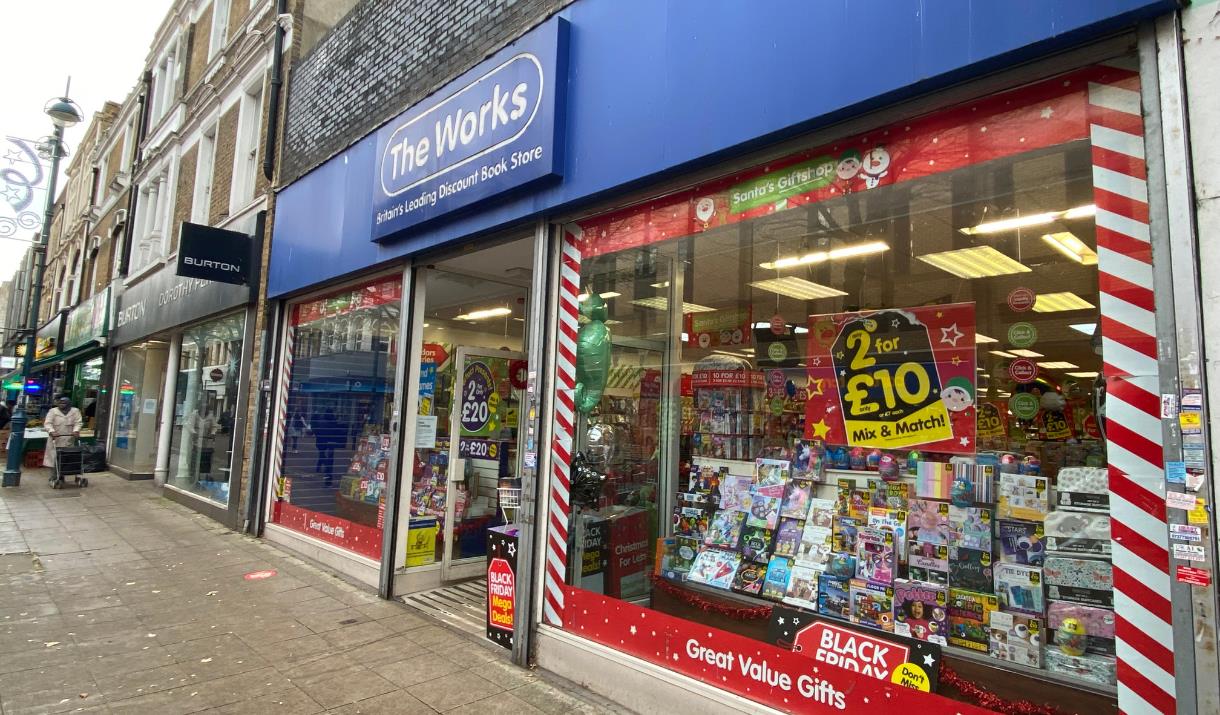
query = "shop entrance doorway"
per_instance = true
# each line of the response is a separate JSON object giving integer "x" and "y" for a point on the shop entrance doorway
{"x": 484, "y": 419}
{"x": 470, "y": 367}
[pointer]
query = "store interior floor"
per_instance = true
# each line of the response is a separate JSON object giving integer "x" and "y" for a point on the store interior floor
{"x": 117, "y": 600}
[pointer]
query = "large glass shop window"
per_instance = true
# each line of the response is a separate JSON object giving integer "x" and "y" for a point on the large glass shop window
{"x": 861, "y": 382}
{"x": 336, "y": 435}
{"x": 209, "y": 371}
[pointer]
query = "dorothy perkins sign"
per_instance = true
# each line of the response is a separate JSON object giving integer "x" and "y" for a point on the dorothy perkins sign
{"x": 496, "y": 128}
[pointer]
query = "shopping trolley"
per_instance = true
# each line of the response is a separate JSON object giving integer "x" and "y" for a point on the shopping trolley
{"x": 69, "y": 462}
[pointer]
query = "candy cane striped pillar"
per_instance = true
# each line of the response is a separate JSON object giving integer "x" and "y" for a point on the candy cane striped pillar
{"x": 565, "y": 424}
{"x": 1144, "y": 619}
{"x": 281, "y": 406}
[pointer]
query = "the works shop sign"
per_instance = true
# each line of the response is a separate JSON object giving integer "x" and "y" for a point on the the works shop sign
{"x": 166, "y": 300}
{"x": 496, "y": 128}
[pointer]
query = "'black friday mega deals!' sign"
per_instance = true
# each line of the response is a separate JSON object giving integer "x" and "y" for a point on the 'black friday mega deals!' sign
{"x": 893, "y": 379}
{"x": 778, "y": 678}
{"x": 885, "y": 657}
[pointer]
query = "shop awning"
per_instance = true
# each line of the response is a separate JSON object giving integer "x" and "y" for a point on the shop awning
{"x": 81, "y": 350}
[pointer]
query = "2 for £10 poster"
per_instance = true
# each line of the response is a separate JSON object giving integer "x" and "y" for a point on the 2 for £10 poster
{"x": 893, "y": 379}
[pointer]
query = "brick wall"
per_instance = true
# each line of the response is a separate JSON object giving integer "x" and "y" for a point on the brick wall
{"x": 201, "y": 33}
{"x": 183, "y": 195}
{"x": 113, "y": 164}
{"x": 385, "y": 56}
{"x": 222, "y": 165}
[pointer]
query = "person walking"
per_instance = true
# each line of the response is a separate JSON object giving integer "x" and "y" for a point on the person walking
{"x": 62, "y": 423}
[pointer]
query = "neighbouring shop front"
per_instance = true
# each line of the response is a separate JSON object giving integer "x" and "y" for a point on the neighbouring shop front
{"x": 181, "y": 347}
{"x": 863, "y": 412}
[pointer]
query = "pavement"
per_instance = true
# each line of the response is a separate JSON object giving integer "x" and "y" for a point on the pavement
{"x": 116, "y": 600}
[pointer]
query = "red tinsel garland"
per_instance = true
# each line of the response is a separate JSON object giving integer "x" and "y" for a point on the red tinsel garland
{"x": 690, "y": 598}
{"x": 987, "y": 699}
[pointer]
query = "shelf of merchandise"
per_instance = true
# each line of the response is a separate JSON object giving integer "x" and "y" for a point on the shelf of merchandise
{"x": 949, "y": 650}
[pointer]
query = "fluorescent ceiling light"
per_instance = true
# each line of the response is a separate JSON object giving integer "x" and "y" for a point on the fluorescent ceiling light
{"x": 1058, "y": 365}
{"x": 662, "y": 284}
{"x": 484, "y": 314}
{"x": 1087, "y": 373}
{"x": 613, "y": 322}
{"x": 1022, "y": 352}
{"x": 1056, "y": 302}
{"x": 977, "y": 262}
{"x": 800, "y": 330}
{"x": 731, "y": 354}
{"x": 798, "y": 288}
{"x": 1086, "y": 328}
{"x": 1001, "y": 353}
{"x": 427, "y": 325}
{"x": 608, "y": 294}
{"x": 660, "y": 302}
{"x": 1066, "y": 243}
{"x": 1009, "y": 224}
{"x": 979, "y": 338}
{"x": 852, "y": 251}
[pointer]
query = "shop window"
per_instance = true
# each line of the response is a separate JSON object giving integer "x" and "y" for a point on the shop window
{"x": 335, "y": 437}
{"x": 205, "y": 406}
{"x": 863, "y": 383}
{"x": 139, "y": 387}
{"x": 86, "y": 390}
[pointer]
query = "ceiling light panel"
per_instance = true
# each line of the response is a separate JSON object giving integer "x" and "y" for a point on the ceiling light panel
{"x": 660, "y": 302}
{"x": 1086, "y": 328}
{"x": 867, "y": 248}
{"x": 1022, "y": 352}
{"x": 484, "y": 314}
{"x": 1058, "y": 365}
{"x": 1001, "y": 353}
{"x": 607, "y": 295}
{"x": 1039, "y": 219}
{"x": 1057, "y": 302}
{"x": 798, "y": 288}
{"x": 977, "y": 262}
{"x": 980, "y": 339}
{"x": 1087, "y": 373}
{"x": 1066, "y": 243}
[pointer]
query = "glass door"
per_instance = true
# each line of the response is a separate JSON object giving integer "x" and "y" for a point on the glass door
{"x": 468, "y": 373}
{"x": 483, "y": 456}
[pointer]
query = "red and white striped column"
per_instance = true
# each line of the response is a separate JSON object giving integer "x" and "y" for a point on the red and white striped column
{"x": 565, "y": 425}
{"x": 1144, "y": 618}
{"x": 281, "y": 403}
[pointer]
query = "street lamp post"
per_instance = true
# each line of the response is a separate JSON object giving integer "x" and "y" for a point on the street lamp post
{"x": 63, "y": 113}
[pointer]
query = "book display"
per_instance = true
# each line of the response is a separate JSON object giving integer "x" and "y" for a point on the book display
{"x": 980, "y": 554}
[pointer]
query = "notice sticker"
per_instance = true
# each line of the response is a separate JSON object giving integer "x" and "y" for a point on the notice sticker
{"x": 1175, "y": 472}
{"x": 1194, "y": 576}
{"x": 1189, "y": 552}
{"x": 1198, "y": 515}
{"x": 1185, "y": 532}
{"x": 1180, "y": 500}
{"x": 1169, "y": 406}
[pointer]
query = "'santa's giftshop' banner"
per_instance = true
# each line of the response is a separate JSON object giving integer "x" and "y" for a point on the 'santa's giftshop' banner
{"x": 496, "y": 128}
{"x": 893, "y": 379}
{"x": 782, "y": 679}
